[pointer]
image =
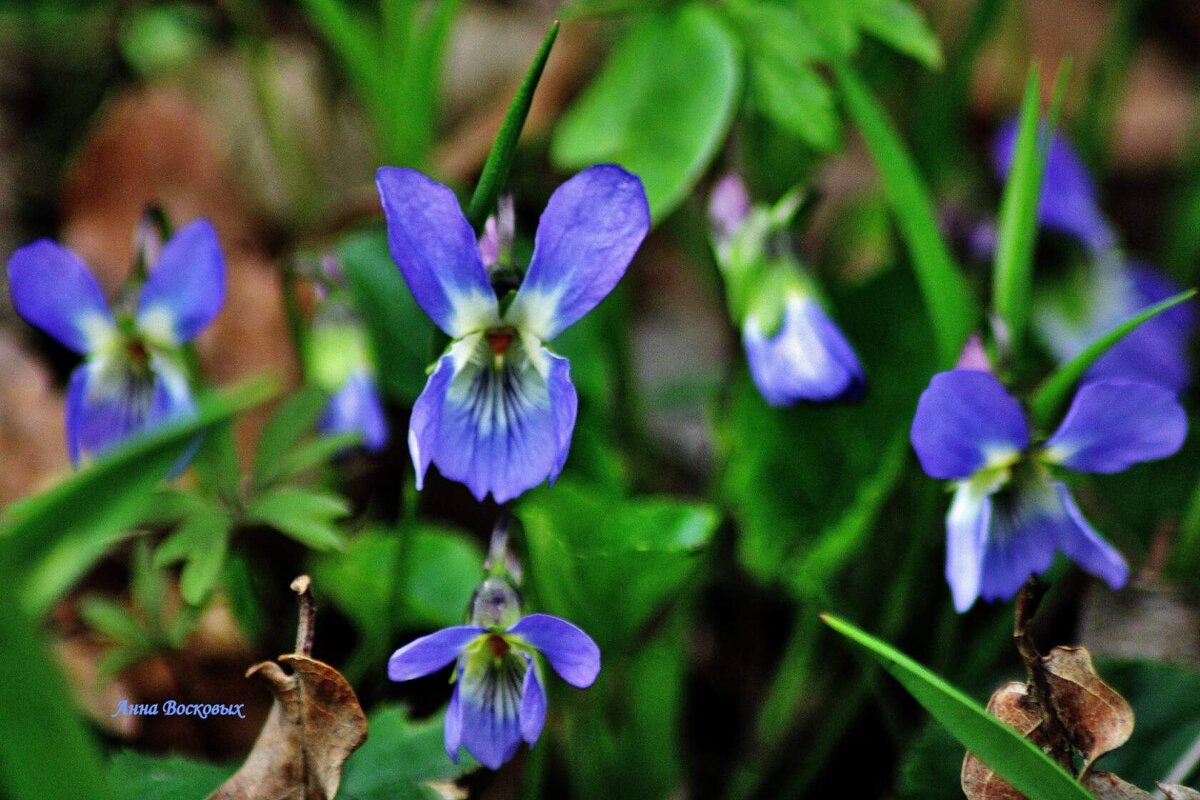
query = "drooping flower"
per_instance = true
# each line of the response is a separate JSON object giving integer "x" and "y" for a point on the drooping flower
{"x": 499, "y": 699}
{"x": 340, "y": 362}
{"x": 794, "y": 350}
{"x": 134, "y": 376}
{"x": 1109, "y": 289}
{"x": 499, "y": 408}
{"x": 1010, "y": 513}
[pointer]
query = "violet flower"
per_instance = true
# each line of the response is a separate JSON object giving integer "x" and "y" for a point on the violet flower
{"x": 499, "y": 408}
{"x": 1010, "y": 515}
{"x": 134, "y": 376}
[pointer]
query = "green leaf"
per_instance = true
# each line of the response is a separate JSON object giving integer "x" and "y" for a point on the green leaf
{"x": 315, "y": 453}
{"x": 136, "y": 776}
{"x": 401, "y": 334}
{"x": 398, "y": 759}
{"x": 305, "y": 515}
{"x": 1054, "y": 390}
{"x": 104, "y": 498}
{"x": 663, "y": 124}
{"x": 113, "y": 620}
{"x": 951, "y": 307}
{"x": 441, "y": 570}
{"x": 203, "y": 539}
{"x": 1013, "y": 271}
{"x": 40, "y": 715}
{"x": 352, "y": 41}
{"x": 901, "y": 25}
{"x": 1013, "y": 757}
{"x": 588, "y": 546}
{"x": 295, "y": 417}
{"x": 499, "y": 160}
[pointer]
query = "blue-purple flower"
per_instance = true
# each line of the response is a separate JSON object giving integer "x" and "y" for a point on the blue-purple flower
{"x": 499, "y": 408}
{"x": 133, "y": 377}
{"x": 1111, "y": 288}
{"x": 499, "y": 699}
{"x": 1010, "y": 513}
{"x": 794, "y": 350}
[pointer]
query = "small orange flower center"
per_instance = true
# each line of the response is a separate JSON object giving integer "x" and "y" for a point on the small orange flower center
{"x": 499, "y": 341}
{"x": 498, "y": 646}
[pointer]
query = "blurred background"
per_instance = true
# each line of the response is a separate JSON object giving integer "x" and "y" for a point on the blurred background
{"x": 269, "y": 118}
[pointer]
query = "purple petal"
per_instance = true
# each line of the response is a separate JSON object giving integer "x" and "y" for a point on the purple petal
{"x": 1029, "y": 525}
{"x": 533, "y": 707}
{"x": 186, "y": 288}
{"x": 965, "y": 418}
{"x": 1068, "y": 201}
{"x": 52, "y": 289}
{"x": 452, "y": 735}
{"x": 572, "y": 653}
{"x": 430, "y": 653}
{"x": 1085, "y": 547}
{"x": 807, "y": 359}
{"x": 433, "y": 245}
{"x": 1112, "y": 425}
{"x": 729, "y": 205}
{"x": 967, "y": 526}
{"x": 491, "y": 700}
{"x": 356, "y": 408}
{"x": 499, "y": 431}
{"x": 109, "y": 403}
{"x": 587, "y": 236}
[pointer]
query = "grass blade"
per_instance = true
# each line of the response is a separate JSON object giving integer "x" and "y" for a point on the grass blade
{"x": 1013, "y": 757}
{"x": 1054, "y": 390}
{"x": 951, "y": 306}
{"x": 495, "y": 170}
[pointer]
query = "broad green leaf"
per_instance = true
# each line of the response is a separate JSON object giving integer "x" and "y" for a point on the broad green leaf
{"x": 305, "y": 515}
{"x": 101, "y": 500}
{"x": 113, "y": 620}
{"x": 797, "y": 479}
{"x": 589, "y": 547}
{"x": 206, "y": 535}
{"x": 441, "y": 569}
{"x": 835, "y": 23}
{"x": 900, "y": 25}
{"x": 1012, "y": 274}
{"x": 1013, "y": 757}
{"x": 499, "y": 160}
{"x": 663, "y": 124}
{"x": 401, "y": 334}
{"x": 953, "y": 312}
{"x": 399, "y": 759}
{"x": 295, "y": 417}
{"x": 137, "y": 776}
{"x": 315, "y": 453}
{"x": 38, "y": 712}
{"x": 1054, "y": 390}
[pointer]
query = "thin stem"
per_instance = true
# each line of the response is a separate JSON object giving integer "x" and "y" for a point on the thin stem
{"x": 306, "y": 628}
{"x": 1028, "y": 601}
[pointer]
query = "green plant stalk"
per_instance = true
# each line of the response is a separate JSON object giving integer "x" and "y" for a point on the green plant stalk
{"x": 500, "y": 158}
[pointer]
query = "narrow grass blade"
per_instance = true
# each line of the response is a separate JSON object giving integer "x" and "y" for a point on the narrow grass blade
{"x": 1013, "y": 757}
{"x": 952, "y": 308}
{"x": 495, "y": 170}
{"x": 1054, "y": 390}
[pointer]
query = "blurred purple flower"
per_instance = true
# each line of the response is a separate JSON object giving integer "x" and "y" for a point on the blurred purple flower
{"x": 133, "y": 377}
{"x": 499, "y": 408}
{"x": 1009, "y": 516}
{"x": 1116, "y": 288}
{"x": 498, "y": 699}
{"x": 356, "y": 408}
{"x": 794, "y": 350}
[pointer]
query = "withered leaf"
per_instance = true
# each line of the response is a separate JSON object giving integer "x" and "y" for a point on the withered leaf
{"x": 1106, "y": 786}
{"x": 1013, "y": 706}
{"x": 314, "y": 726}
{"x": 1174, "y": 791}
{"x": 1097, "y": 719}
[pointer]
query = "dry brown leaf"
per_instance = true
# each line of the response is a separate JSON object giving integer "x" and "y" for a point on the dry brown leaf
{"x": 314, "y": 726}
{"x": 1174, "y": 791}
{"x": 1106, "y": 786}
{"x": 1096, "y": 718}
{"x": 1012, "y": 705}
